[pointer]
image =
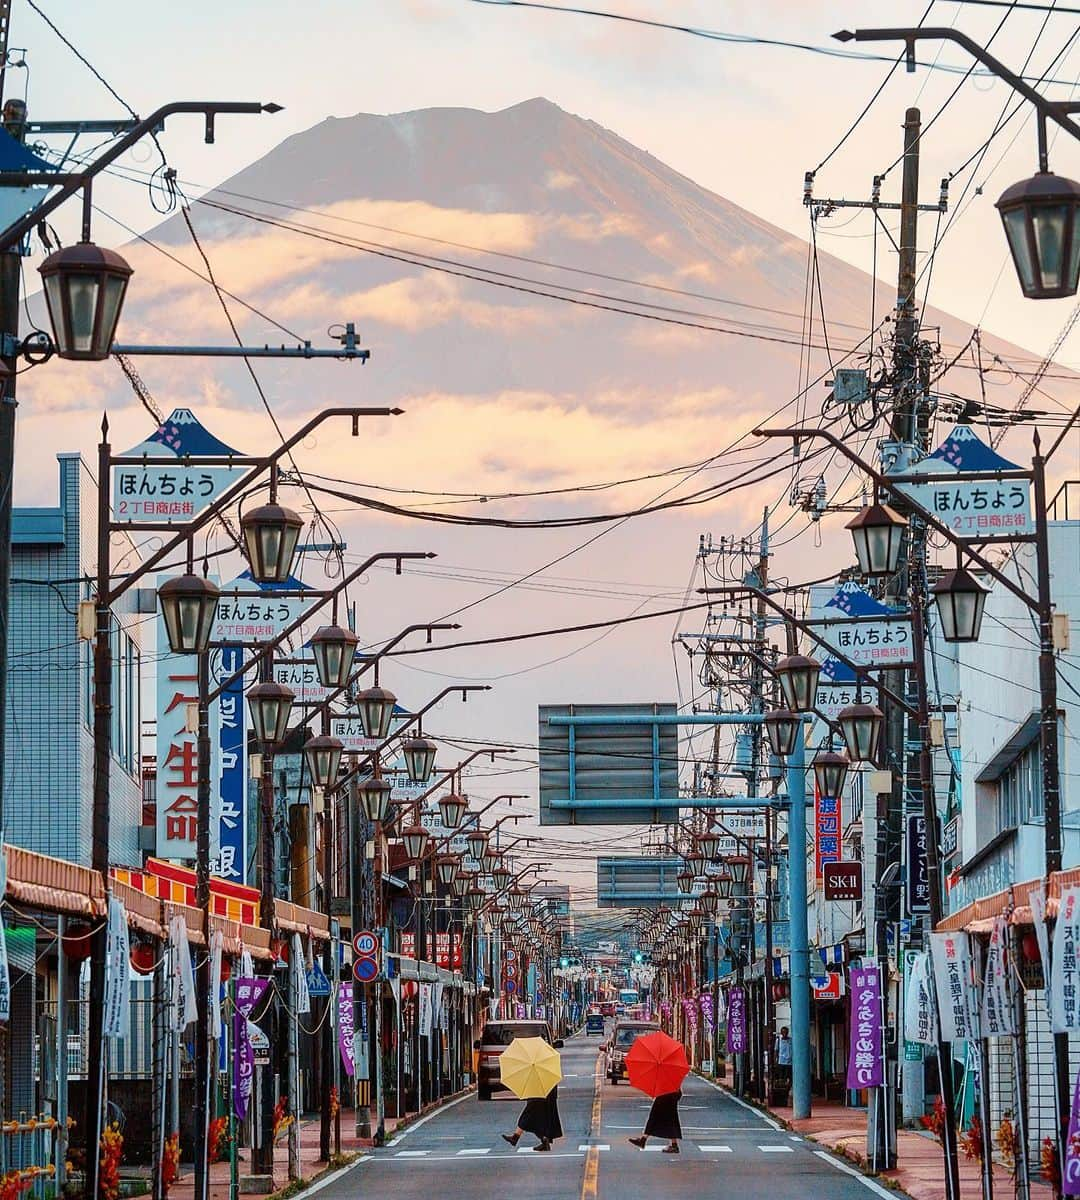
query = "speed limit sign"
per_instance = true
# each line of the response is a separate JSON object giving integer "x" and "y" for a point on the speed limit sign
{"x": 365, "y": 944}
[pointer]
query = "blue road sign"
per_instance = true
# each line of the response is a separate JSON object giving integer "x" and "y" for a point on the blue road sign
{"x": 317, "y": 983}
{"x": 365, "y": 970}
{"x": 511, "y": 987}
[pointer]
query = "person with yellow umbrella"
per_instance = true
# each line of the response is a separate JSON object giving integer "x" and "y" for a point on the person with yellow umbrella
{"x": 531, "y": 1069}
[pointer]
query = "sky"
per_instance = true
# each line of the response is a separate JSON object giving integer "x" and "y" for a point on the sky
{"x": 746, "y": 121}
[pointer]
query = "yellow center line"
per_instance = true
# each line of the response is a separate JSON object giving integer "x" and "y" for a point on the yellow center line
{"x": 592, "y": 1157}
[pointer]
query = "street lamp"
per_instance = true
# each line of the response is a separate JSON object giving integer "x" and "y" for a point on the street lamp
{"x": 270, "y": 533}
{"x": 376, "y": 708}
{"x": 323, "y": 756}
{"x": 709, "y": 842}
{"x": 830, "y": 771}
{"x": 739, "y": 868}
{"x": 782, "y": 730}
{"x": 375, "y": 800}
{"x": 270, "y": 705}
{"x": 419, "y": 754}
{"x": 477, "y": 842}
{"x": 475, "y": 898}
{"x": 709, "y": 901}
{"x": 451, "y": 809}
{"x": 189, "y": 606}
{"x": 415, "y": 838}
{"x": 489, "y": 860}
{"x": 501, "y": 876}
{"x": 861, "y": 725}
{"x": 695, "y": 862}
{"x": 798, "y": 674}
{"x": 1041, "y": 216}
{"x": 84, "y": 292}
{"x": 334, "y": 649}
{"x": 515, "y": 899}
{"x": 685, "y": 881}
{"x": 446, "y": 867}
{"x": 878, "y": 533}
{"x": 960, "y": 600}
{"x": 725, "y": 885}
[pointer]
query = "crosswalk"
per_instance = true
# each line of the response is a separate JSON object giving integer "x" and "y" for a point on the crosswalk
{"x": 601, "y": 1147}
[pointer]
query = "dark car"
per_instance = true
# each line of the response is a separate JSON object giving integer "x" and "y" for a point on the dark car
{"x": 496, "y": 1037}
{"x": 594, "y": 1023}
{"x": 622, "y": 1038}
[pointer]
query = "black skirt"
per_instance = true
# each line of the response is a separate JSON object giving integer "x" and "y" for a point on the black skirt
{"x": 541, "y": 1117}
{"x": 663, "y": 1119}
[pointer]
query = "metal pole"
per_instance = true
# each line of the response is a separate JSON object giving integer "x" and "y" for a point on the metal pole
{"x": 263, "y": 1154}
{"x": 949, "y": 1145}
{"x": 61, "y": 1055}
{"x": 200, "y": 1107}
{"x": 800, "y": 953}
{"x": 99, "y": 860}
{"x": 1048, "y": 745}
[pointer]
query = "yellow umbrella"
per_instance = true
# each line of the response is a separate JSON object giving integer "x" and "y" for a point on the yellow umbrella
{"x": 530, "y": 1068}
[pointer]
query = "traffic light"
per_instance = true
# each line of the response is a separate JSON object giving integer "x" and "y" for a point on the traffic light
{"x": 564, "y": 962}
{"x": 639, "y": 958}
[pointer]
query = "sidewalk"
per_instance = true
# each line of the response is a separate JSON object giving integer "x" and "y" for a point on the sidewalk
{"x": 310, "y": 1163}
{"x": 920, "y": 1169}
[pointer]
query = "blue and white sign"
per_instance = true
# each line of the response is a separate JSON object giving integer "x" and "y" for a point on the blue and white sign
{"x": 317, "y": 983}
{"x": 231, "y": 859}
{"x": 863, "y": 630}
{"x": 365, "y": 970}
{"x": 838, "y": 687}
{"x": 160, "y": 488}
{"x": 972, "y": 508}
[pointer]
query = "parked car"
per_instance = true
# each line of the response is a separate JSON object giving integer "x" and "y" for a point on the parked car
{"x": 594, "y": 1023}
{"x": 622, "y": 1038}
{"x": 608, "y": 1008}
{"x": 496, "y": 1037}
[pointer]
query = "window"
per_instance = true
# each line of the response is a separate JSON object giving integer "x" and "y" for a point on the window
{"x": 1020, "y": 790}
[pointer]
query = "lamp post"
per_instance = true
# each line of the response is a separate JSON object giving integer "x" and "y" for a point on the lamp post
{"x": 1041, "y": 215}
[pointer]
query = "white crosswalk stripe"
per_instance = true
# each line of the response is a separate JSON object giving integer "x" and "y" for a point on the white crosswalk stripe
{"x": 411, "y": 1153}
{"x": 466, "y": 1153}
{"x": 715, "y": 1149}
{"x": 776, "y": 1149}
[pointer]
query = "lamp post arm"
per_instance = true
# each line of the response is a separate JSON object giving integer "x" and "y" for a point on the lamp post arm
{"x": 185, "y": 532}
{"x": 268, "y": 649}
{"x": 768, "y": 667}
{"x": 1047, "y": 109}
{"x": 924, "y": 514}
{"x": 803, "y": 627}
{"x": 73, "y": 181}
{"x": 465, "y": 761}
{"x": 373, "y": 755}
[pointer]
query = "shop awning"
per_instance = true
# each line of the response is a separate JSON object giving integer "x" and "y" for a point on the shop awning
{"x": 53, "y": 885}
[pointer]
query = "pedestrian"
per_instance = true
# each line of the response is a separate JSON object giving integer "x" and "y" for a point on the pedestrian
{"x": 541, "y": 1117}
{"x": 662, "y": 1122}
{"x": 783, "y": 1054}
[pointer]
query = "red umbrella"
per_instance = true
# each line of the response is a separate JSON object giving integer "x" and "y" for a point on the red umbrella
{"x": 656, "y": 1064}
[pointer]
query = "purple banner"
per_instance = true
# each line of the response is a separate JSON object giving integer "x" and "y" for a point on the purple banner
{"x": 736, "y": 1021}
{"x": 345, "y": 1027}
{"x": 1070, "y": 1177}
{"x": 865, "y": 1067}
{"x": 248, "y": 993}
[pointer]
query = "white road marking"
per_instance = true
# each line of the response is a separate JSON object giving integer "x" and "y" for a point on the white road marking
{"x": 424, "y": 1120}
{"x": 716, "y": 1150}
{"x": 876, "y": 1188}
{"x": 776, "y": 1150}
{"x": 742, "y": 1104}
{"x": 412, "y": 1153}
{"x": 653, "y": 1149}
{"x": 585, "y": 1146}
{"x": 474, "y": 1153}
{"x": 333, "y": 1176}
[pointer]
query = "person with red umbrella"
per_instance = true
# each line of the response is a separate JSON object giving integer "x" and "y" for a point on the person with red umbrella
{"x": 657, "y": 1065}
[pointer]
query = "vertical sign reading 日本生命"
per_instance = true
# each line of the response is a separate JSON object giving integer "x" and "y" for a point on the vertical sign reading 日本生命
{"x": 231, "y": 862}
{"x": 865, "y": 1066}
{"x": 826, "y": 832}
{"x": 178, "y": 757}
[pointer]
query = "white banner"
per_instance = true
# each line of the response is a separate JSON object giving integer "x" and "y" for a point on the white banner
{"x": 247, "y": 964}
{"x": 426, "y": 1012}
{"x": 300, "y": 983}
{"x": 217, "y": 947}
{"x": 998, "y": 1018}
{"x": 1064, "y": 969}
{"x": 919, "y": 1023}
{"x": 117, "y": 973}
{"x": 957, "y": 1010}
{"x": 1037, "y": 901}
{"x": 183, "y": 979}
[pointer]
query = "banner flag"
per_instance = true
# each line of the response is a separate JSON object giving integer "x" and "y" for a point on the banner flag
{"x": 920, "y": 1025}
{"x": 998, "y": 1017}
{"x": 866, "y": 1068}
{"x": 117, "y": 972}
{"x": 1064, "y": 969}
{"x": 248, "y": 994}
{"x": 951, "y": 953}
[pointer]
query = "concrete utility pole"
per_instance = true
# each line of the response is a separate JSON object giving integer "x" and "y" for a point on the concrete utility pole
{"x": 910, "y": 436}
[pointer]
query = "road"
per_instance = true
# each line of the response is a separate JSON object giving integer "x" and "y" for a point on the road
{"x": 729, "y": 1152}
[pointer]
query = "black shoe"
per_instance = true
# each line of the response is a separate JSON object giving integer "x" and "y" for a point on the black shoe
{"x": 544, "y": 1145}
{"x": 638, "y": 1141}
{"x": 512, "y": 1138}
{"x": 672, "y": 1149}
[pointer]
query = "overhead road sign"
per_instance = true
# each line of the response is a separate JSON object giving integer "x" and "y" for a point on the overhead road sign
{"x": 630, "y": 881}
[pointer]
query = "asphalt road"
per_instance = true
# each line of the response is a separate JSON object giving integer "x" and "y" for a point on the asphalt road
{"x": 729, "y": 1152}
